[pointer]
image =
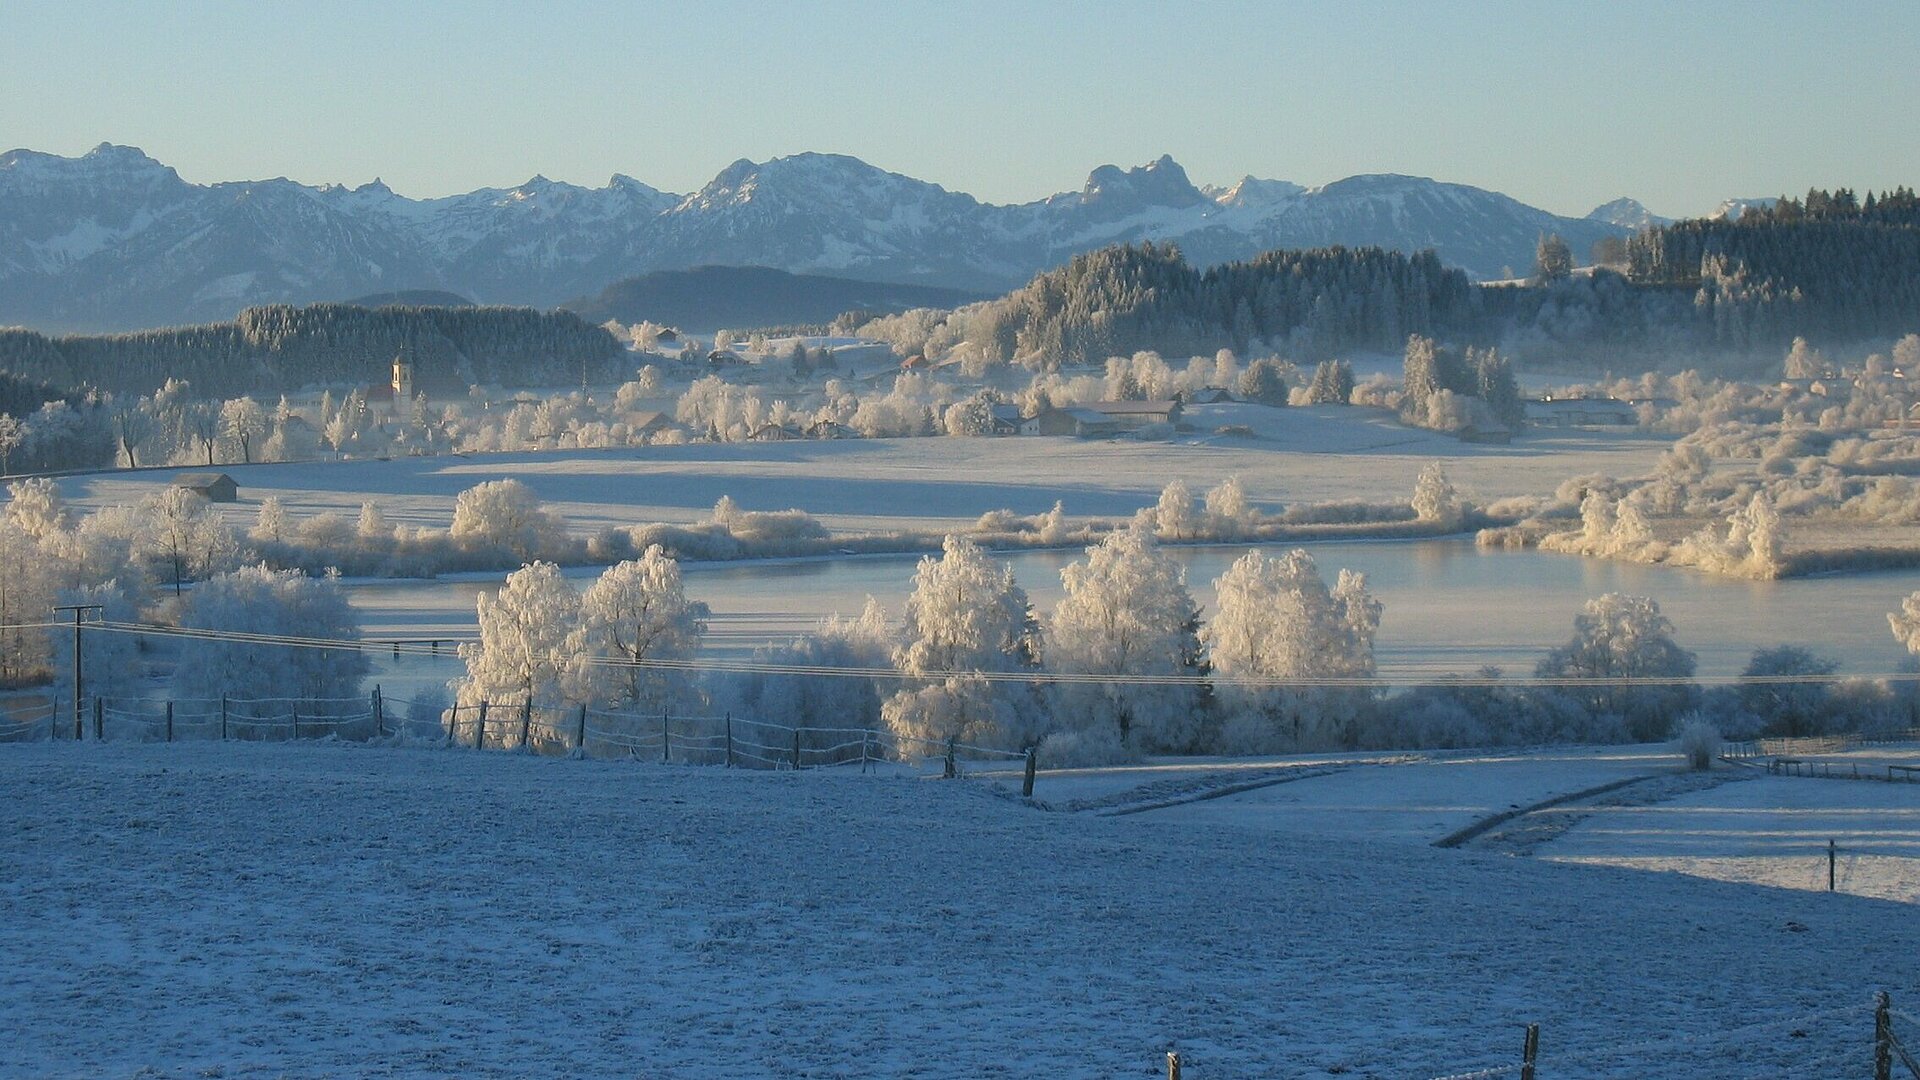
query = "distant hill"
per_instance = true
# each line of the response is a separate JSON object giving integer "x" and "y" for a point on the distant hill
{"x": 411, "y": 298}
{"x": 745, "y": 297}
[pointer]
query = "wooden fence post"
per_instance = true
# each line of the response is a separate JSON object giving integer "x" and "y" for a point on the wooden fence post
{"x": 1833, "y": 858}
{"x": 952, "y": 769}
{"x": 526, "y": 723}
{"x": 866, "y": 740}
{"x": 1882, "y": 1037}
{"x": 296, "y": 722}
{"x": 1173, "y": 1065}
{"x": 580, "y": 742}
{"x": 453, "y": 723}
{"x": 99, "y": 720}
{"x": 796, "y": 748}
{"x": 480, "y": 728}
{"x": 378, "y": 722}
{"x": 223, "y": 718}
{"x": 729, "y": 738}
{"x": 1026, "y": 785}
{"x": 169, "y": 719}
{"x": 666, "y": 739}
{"x": 1530, "y": 1052}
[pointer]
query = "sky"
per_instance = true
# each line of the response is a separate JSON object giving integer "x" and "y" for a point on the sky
{"x": 1561, "y": 105}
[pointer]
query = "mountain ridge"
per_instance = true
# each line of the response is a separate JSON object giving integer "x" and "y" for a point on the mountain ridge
{"x": 115, "y": 239}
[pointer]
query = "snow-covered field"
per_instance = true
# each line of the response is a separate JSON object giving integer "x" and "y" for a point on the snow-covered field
{"x": 331, "y": 910}
{"x": 1305, "y": 454}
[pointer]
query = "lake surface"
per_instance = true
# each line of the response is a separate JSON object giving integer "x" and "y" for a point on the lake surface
{"x": 1449, "y": 606}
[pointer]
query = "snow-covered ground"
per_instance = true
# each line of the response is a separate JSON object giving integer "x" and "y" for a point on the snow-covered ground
{"x": 1767, "y": 831}
{"x": 330, "y": 910}
{"x": 1307, "y": 454}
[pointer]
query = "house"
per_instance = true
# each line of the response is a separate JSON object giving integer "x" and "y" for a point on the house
{"x": 1079, "y": 422}
{"x": 1581, "y": 412}
{"x": 1208, "y": 395}
{"x": 720, "y": 358}
{"x": 212, "y": 486}
{"x": 1137, "y": 414}
{"x": 916, "y": 362}
{"x": 1005, "y": 420}
{"x": 772, "y": 432}
{"x": 830, "y": 429}
{"x": 649, "y": 424}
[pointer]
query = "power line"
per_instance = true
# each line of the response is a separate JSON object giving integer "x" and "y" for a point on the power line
{"x": 1402, "y": 677}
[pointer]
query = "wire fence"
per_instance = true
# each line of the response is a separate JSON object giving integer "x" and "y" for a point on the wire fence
{"x": 1685, "y": 1054}
{"x": 725, "y": 739}
{"x": 576, "y": 730}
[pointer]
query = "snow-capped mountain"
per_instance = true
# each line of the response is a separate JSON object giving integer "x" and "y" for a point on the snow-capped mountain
{"x": 1733, "y": 208}
{"x": 115, "y": 239}
{"x": 1627, "y": 213}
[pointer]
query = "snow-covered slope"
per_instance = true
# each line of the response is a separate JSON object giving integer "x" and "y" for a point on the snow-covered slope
{"x": 1628, "y": 213}
{"x": 115, "y": 239}
{"x": 263, "y": 910}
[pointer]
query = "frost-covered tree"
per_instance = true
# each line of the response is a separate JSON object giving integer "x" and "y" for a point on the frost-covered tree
{"x": 636, "y": 613}
{"x": 1435, "y": 500}
{"x": 524, "y": 653}
{"x": 180, "y": 531}
{"x": 243, "y": 423}
{"x": 1552, "y": 259}
{"x": 1619, "y": 640}
{"x": 372, "y": 527}
{"x": 1279, "y": 621}
{"x": 507, "y": 516}
{"x": 1229, "y": 515}
{"x": 1906, "y": 623}
{"x": 13, "y": 435}
{"x": 110, "y": 659}
{"x": 1127, "y": 612}
{"x": 1332, "y": 383}
{"x": 1803, "y": 361}
{"x": 965, "y": 708}
{"x": 966, "y": 614}
{"x": 1263, "y": 383}
{"x": 1175, "y": 517}
{"x": 26, "y": 600}
{"x": 1788, "y": 688}
{"x": 805, "y": 701}
{"x": 257, "y": 600}
{"x": 270, "y": 525}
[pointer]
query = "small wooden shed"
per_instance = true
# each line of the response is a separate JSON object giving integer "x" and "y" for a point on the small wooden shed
{"x": 213, "y": 486}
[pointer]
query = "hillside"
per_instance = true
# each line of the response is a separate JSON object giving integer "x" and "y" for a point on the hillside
{"x": 742, "y": 297}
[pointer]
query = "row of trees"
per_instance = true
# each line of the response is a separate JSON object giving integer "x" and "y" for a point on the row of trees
{"x": 277, "y": 348}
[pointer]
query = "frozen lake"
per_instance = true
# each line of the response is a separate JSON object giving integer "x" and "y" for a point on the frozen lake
{"x": 1449, "y": 606}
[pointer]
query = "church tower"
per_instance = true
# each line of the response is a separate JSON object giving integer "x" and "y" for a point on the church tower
{"x": 402, "y": 381}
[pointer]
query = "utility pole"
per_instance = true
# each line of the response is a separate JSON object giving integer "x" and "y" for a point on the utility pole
{"x": 77, "y": 609}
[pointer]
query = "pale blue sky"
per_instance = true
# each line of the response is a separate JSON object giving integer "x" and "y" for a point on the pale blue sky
{"x": 1561, "y": 105}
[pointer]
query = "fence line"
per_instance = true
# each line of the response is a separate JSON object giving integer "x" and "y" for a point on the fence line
{"x": 573, "y": 730}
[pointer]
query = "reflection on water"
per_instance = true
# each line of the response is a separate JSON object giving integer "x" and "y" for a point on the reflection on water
{"x": 1450, "y": 606}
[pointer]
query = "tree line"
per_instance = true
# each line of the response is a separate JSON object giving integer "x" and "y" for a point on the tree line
{"x": 279, "y": 347}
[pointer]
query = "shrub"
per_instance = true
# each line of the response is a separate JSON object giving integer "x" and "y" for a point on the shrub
{"x": 1699, "y": 742}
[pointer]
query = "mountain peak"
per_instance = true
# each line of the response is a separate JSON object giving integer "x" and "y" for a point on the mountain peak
{"x": 1252, "y": 191}
{"x": 1626, "y": 212}
{"x": 1161, "y": 182}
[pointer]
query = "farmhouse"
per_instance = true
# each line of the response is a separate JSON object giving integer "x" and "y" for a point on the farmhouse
{"x": 830, "y": 429}
{"x": 1137, "y": 414}
{"x": 1005, "y": 420}
{"x": 1581, "y": 412}
{"x": 1078, "y": 421}
{"x": 772, "y": 432}
{"x": 212, "y": 486}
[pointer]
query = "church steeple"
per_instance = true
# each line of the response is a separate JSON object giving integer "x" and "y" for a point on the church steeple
{"x": 402, "y": 378}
